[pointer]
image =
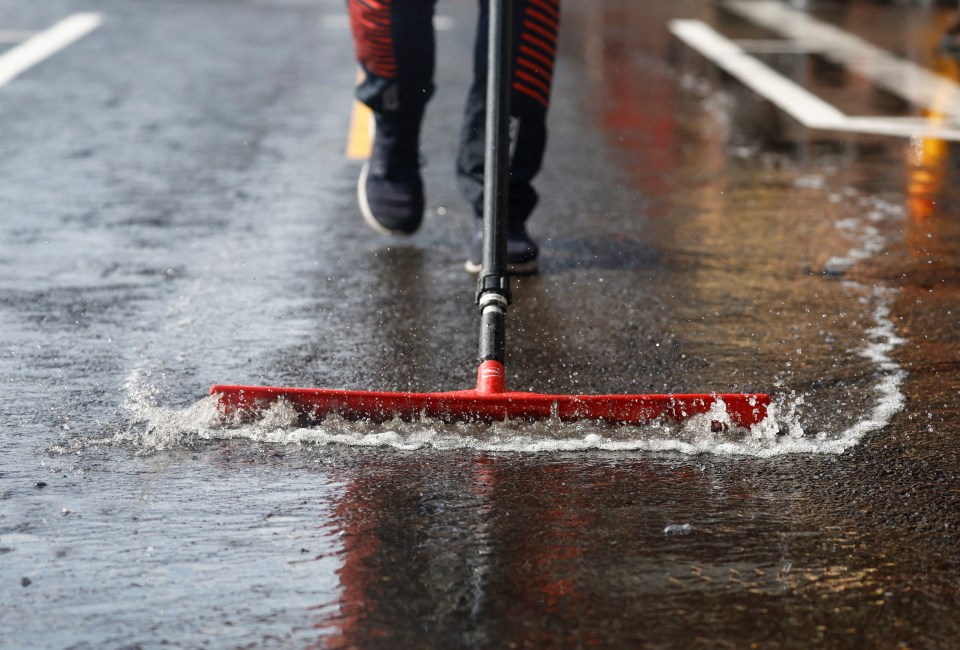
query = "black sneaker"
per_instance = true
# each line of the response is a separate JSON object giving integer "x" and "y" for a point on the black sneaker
{"x": 522, "y": 252}
{"x": 390, "y": 190}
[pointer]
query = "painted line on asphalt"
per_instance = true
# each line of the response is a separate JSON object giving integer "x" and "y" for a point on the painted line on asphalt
{"x": 360, "y": 135}
{"x": 45, "y": 44}
{"x": 918, "y": 85}
{"x": 790, "y": 97}
{"x": 793, "y": 99}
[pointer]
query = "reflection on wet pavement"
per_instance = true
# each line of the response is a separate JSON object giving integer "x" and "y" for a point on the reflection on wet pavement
{"x": 695, "y": 238}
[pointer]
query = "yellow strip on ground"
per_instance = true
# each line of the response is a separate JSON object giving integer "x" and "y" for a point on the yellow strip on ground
{"x": 359, "y": 139}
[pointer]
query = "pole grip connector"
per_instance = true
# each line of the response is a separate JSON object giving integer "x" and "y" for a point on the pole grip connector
{"x": 493, "y": 283}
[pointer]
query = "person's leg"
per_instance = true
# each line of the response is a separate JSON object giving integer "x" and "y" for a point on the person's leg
{"x": 394, "y": 42}
{"x": 534, "y": 51}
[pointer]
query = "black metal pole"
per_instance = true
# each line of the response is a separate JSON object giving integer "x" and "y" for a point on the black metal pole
{"x": 493, "y": 285}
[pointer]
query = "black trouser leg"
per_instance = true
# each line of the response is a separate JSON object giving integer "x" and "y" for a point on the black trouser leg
{"x": 534, "y": 52}
{"x": 395, "y": 45}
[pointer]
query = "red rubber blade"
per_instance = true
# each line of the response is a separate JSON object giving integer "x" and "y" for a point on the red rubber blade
{"x": 472, "y": 405}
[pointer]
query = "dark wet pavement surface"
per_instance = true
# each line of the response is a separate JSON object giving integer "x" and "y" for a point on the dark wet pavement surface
{"x": 178, "y": 211}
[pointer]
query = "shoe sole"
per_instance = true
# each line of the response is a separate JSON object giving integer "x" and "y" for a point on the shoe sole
{"x": 524, "y": 268}
{"x": 365, "y": 206}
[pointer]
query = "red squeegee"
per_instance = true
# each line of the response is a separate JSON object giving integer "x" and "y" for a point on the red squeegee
{"x": 490, "y": 400}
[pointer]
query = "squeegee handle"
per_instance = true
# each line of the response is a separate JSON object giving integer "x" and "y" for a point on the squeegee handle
{"x": 493, "y": 284}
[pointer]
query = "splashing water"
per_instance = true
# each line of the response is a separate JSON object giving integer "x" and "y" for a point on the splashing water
{"x": 778, "y": 434}
{"x": 782, "y": 432}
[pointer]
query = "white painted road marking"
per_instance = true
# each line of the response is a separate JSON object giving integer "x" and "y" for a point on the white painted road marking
{"x": 916, "y": 84}
{"x": 793, "y": 99}
{"x": 45, "y": 44}
{"x": 789, "y": 96}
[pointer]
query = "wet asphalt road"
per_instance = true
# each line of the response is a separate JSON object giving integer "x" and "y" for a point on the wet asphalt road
{"x": 177, "y": 211}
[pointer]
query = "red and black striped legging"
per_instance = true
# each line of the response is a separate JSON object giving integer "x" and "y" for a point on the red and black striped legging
{"x": 395, "y": 46}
